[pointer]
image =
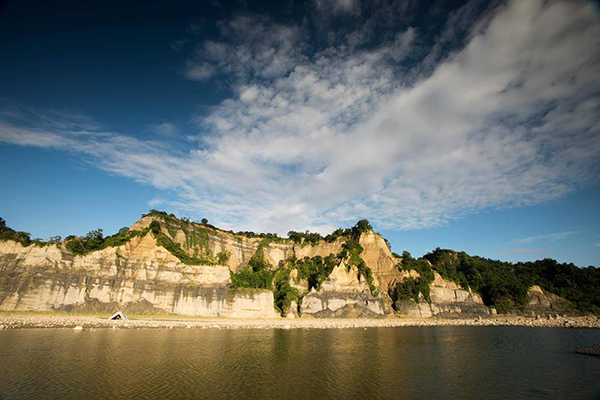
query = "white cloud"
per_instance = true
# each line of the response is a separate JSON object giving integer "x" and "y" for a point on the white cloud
{"x": 321, "y": 140}
{"x": 549, "y": 237}
{"x": 338, "y": 6}
{"x": 255, "y": 48}
{"x": 166, "y": 129}
{"x": 529, "y": 250}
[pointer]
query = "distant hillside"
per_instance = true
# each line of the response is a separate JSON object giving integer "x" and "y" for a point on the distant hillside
{"x": 505, "y": 285}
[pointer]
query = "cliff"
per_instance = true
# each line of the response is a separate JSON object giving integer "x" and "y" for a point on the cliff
{"x": 448, "y": 300}
{"x": 164, "y": 265}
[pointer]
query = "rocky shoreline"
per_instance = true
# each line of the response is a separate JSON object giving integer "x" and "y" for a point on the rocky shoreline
{"x": 86, "y": 322}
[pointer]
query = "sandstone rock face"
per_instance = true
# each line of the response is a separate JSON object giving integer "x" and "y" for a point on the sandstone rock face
{"x": 381, "y": 261}
{"x": 447, "y": 301}
{"x": 412, "y": 309}
{"x": 96, "y": 294}
{"x": 142, "y": 276}
{"x": 297, "y": 283}
{"x": 240, "y": 248}
{"x": 199, "y": 240}
{"x": 343, "y": 295}
{"x": 543, "y": 304}
{"x": 139, "y": 276}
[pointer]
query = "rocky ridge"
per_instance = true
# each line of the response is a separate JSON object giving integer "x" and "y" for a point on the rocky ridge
{"x": 173, "y": 266}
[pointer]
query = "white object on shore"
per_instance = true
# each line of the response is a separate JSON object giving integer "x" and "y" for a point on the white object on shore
{"x": 118, "y": 316}
{"x": 78, "y": 328}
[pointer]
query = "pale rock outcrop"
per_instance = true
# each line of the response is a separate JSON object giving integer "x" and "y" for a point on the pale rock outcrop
{"x": 542, "y": 303}
{"x": 138, "y": 275}
{"x": 381, "y": 261}
{"x": 292, "y": 313}
{"x": 448, "y": 300}
{"x": 343, "y": 295}
{"x": 141, "y": 276}
{"x": 301, "y": 285}
{"x": 322, "y": 249}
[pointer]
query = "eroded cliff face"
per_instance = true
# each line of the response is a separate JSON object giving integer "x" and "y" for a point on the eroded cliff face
{"x": 542, "y": 303}
{"x": 448, "y": 300}
{"x": 143, "y": 276}
{"x": 203, "y": 241}
{"x": 139, "y": 276}
{"x": 343, "y": 295}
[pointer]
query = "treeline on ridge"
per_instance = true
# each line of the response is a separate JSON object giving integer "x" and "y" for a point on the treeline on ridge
{"x": 503, "y": 285}
{"x": 313, "y": 237}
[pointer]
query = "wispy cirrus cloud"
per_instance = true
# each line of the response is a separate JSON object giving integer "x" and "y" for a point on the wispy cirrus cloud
{"x": 529, "y": 250}
{"x": 320, "y": 137}
{"x": 166, "y": 129}
{"x": 549, "y": 237}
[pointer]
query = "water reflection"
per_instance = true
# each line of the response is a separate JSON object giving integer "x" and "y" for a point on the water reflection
{"x": 433, "y": 362}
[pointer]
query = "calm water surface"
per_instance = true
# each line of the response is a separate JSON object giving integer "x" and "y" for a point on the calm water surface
{"x": 377, "y": 363}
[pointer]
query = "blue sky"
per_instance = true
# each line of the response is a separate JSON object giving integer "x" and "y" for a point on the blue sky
{"x": 471, "y": 125}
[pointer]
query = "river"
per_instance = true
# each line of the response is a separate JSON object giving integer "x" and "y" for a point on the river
{"x": 374, "y": 363}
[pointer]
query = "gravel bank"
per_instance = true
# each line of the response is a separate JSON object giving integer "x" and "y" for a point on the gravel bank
{"x": 17, "y": 321}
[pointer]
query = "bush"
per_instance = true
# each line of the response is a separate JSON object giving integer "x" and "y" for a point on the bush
{"x": 258, "y": 261}
{"x": 155, "y": 227}
{"x": 223, "y": 257}
{"x": 363, "y": 226}
{"x": 283, "y": 292}
{"x": 412, "y": 288}
{"x": 314, "y": 270}
{"x": 408, "y": 289}
{"x": 7, "y": 233}
{"x": 311, "y": 238}
{"x": 175, "y": 249}
{"x": 251, "y": 279}
{"x": 351, "y": 250}
{"x": 256, "y": 275}
{"x": 314, "y": 238}
{"x": 95, "y": 240}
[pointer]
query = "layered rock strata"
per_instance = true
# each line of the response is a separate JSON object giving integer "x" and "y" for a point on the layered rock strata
{"x": 343, "y": 295}
{"x": 447, "y": 301}
{"x": 139, "y": 276}
{"x": 142, "y": 276}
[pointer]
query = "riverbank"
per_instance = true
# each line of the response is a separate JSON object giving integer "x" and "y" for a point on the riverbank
{"x": 70, "y": 321}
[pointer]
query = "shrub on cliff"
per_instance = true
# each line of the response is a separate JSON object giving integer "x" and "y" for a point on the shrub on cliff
{"x": 351, "y": 251}
{"x": 175, "y": 249}
{"x": 223, "y": 257}
{"x": 314, "y": 238}
{"x": 155, "y": 227}
{"x": 283, "y": 292}
{"x": 257, "y": 274}
{"x": 412, "y": 288}
{"x": 7, "y": 233}
{"x": 307, "y": 237}
{"x": 249, "y": 279}
{"x": 363, "y": 226}
{"x": 95, "y": 240}
{"x": 314, "y": 270}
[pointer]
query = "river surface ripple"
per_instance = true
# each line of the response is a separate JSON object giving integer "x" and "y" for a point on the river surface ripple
{"x": 374, "y": 363}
